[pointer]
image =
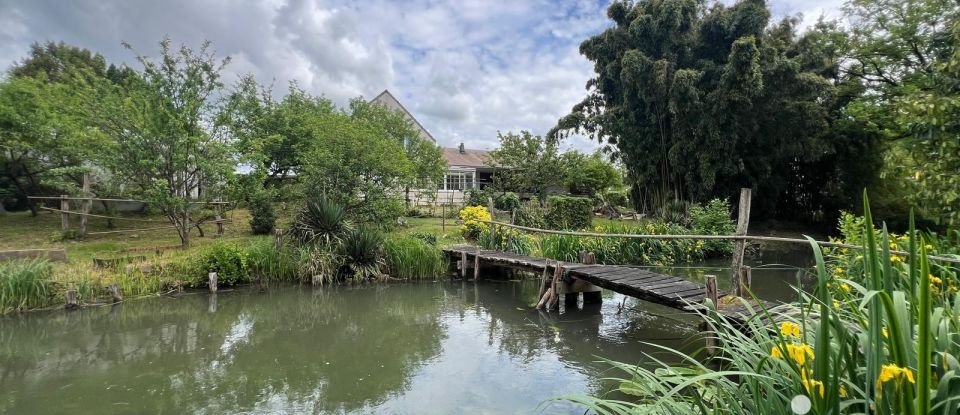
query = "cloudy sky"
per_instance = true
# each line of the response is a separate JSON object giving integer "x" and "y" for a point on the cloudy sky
{"x": 465, "y": 68}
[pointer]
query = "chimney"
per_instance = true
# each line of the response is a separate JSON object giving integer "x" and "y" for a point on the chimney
{"x": 462, "y": 149}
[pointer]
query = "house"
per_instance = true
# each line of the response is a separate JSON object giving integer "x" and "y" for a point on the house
{"x": 466, "y": 168}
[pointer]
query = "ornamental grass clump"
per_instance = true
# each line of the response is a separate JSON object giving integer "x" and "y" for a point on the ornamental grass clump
{"x": 875, "y": 335}
{"x": 25, "y": 285}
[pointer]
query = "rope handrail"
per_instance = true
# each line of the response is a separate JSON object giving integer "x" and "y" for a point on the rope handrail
{"x": 705, "y": 237}
{"x": 115, "y": 200}
{"x": 70, "y": 212}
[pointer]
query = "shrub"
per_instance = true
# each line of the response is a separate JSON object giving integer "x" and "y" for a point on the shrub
{"x": 363, "y": 253}
{"x": 713, "y": 218}
{"x": 530, "y": 214}
{"x": 228, "y": 260}
{"x": 262, "y": 217}
{"x": 25, "y": 285}
{"x": 565, "y": 212}
{"x": 320, "y": 264}
{"x": 477, "y": 197}
{"x": 617, "y": 198}
{"x": 507, "y": 239}
{"x": 507, "y": 201}
{"x": 409, "y": 257}
{"x": 473, "y": 217}
{"x": 429, "y": 238}
{"x": 321, "y": 220}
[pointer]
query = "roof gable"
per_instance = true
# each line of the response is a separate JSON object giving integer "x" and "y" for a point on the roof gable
{"x": 467, "y": 157}
{"x": 391, "y": 102}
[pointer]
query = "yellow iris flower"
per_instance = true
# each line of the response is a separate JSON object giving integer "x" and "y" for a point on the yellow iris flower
{"x": 896, "y": 373}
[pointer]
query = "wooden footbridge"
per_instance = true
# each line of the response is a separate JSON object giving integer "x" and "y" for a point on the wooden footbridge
{"x": 571, "y": 279}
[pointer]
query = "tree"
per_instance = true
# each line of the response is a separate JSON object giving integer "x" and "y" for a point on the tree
{"x": 162, "y": 138}
{"x": 42, "y": 140}
{"x": 700, "y": 101}
{"x": 905, "y": 52}
{"x": 590, "y": 174}
{"x": 354, "y": 164}
{"x": 528, "y": 163}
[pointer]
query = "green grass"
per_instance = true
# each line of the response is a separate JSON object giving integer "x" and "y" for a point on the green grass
{"x": 24, "y": 284}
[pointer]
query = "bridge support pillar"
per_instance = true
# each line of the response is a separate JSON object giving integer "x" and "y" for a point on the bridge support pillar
{"x": 593, "y": 297}
{"x": 591, "y": 293}
{"x": 570, "y": 300}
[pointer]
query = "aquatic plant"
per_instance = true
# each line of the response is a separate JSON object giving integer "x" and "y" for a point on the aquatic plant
{"x": 24, "y": 284}
{"x": 508, "y": 239}
{"x": 267, "y": 263}
{"x": 863, "y": 341}
{"x": 412, "y": 258}
{"x": 319, "y": 265}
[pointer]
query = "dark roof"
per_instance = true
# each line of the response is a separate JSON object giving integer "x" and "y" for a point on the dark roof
{"x": 468, "y": 158}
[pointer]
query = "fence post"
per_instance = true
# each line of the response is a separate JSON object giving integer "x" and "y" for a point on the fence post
{"x": 709, "y": 334}
{"x": 212, "y": 281}
{"x": 64, "y": 216}
{"x": 278, "y": 238}
{"x": 463, "y": 264}
{"x": 85, "y": 207}
{"x": 711, "y": 287}
{"x": 743, "y": 221}
{"x": 476, "y": 266}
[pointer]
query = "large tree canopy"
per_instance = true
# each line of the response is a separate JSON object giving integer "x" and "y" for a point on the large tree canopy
{"x": 700, "y": 101}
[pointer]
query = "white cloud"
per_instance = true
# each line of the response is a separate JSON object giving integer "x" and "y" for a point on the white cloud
{"x": 465, "y": 68}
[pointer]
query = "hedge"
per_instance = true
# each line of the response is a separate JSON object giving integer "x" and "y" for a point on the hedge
{"x": 566, "y": 212}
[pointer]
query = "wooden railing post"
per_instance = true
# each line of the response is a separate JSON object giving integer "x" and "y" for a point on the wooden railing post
{"x": 85, "y": 206}
{"x": 64, "y": 216}
{"x": 743, "y": 222}
{"x": 476, "y": 266}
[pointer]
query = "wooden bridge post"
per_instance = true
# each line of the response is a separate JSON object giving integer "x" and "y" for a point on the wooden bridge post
{"x": 595, "y": 296}
{"x": 709, "y": 334}
{"x": 463, "y": 264}
{"x": 744, "y": 281}
{"x": 476, "y": 266}
{"x": 743, "y": 221}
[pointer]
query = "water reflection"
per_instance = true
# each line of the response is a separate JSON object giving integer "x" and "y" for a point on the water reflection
{"x": 418, "y": 348}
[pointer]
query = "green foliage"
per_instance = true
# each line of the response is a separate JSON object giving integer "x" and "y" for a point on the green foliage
{"x": 508, "y": 239}
{"x": 160, "y": 131}
{"x": 617, "y": 198}
{"x": 25, "y": 285}
{"x": 363, "y": 253}
{"x": 262, "y": 217}
{"x": 321, "y": 264}
{"x": 700, "y": 99}
{"x": 472, "y": 218}
{"x": 877, "y": 338}
{"x": 266, "y": 263}
{"x": 409, "y": 257}
{"x": 564, "y": 212}
{"x": 713, "y": 218}
{"x": 531, "y": 214}
{"x": 322, "y": 220}
{"x": 508, "y": 201}
{"x": 477, "y": 197}
{"x": 531, "y": 163}
{"x": 611, "y": 250}
{"x": 590, "y": 175}
{"x": 227, "y": 259}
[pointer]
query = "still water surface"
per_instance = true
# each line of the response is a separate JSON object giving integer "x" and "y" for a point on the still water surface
{"x": 426, "y": 348}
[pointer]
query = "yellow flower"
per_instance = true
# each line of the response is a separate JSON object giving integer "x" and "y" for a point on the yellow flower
{"x": 896, "y": 259}
{"x": 859, "y": 258}
{"x": 935, "y": 280}
{"x": 884, "y": 331}
{"x": 809, "y": 384}
{"x": 838, "y": 271}
{"x": 929, "y": 247}
{"x": 845, "y": 288}
{"x": 789, "y": 329}
{"x": 798, "y": 352}
{"x": 843, "y": 391}
{"x": 893, "y": 372}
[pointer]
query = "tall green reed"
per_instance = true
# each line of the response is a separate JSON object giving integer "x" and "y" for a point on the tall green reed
{"x": 25, "y": 284}
{"x": 412, "y": 258}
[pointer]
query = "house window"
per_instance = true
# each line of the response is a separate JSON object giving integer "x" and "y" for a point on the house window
{"x": 457, "y": 181}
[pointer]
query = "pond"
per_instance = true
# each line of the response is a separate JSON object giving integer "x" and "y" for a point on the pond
{"x": 441, "y": 347}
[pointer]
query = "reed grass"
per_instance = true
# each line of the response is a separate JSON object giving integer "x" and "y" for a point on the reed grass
{"x": 412, "y": 258}
{"x": 25, "y": 285}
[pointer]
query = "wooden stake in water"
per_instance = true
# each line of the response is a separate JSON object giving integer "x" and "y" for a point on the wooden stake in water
{"x": 212, "y": 281}
{"x": 72, "y": 299}
{"x": 743, "y": 221}
{"x": 744, "y": 282}
{"x": 115, "y": 293}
